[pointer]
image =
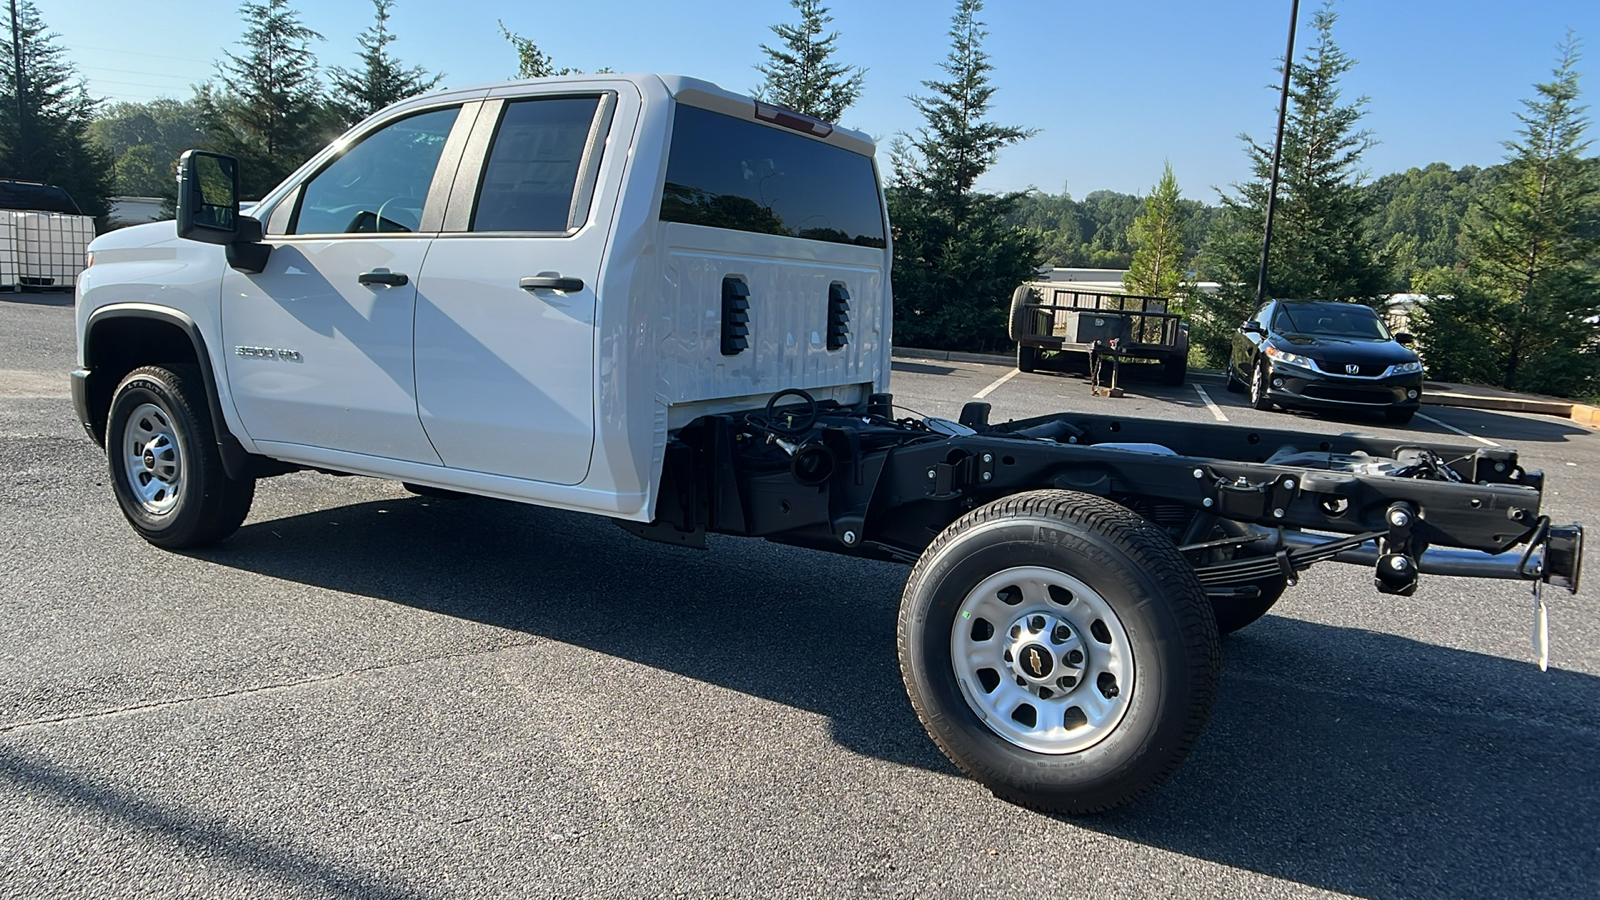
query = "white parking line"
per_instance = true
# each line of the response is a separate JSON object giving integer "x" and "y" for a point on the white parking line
{"x": 1469, "y": 434}
{"x": 997, "y": 382}
{"x": 1210, "y": 404}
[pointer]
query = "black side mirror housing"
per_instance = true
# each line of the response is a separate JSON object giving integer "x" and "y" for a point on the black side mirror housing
{"x": 1404, "y": 338}
{"x": 1252, "y": 327}
{"x": 208, "y": 209}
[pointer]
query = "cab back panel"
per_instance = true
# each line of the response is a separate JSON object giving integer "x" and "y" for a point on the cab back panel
{"x": 787, "y": 345}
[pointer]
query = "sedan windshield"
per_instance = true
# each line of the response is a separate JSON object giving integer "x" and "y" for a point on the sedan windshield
{"x": 1345, "y": 320}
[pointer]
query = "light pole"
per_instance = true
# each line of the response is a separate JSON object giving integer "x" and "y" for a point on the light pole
{"x": 1277, "y": 154}
{"x": 16, "y": 74}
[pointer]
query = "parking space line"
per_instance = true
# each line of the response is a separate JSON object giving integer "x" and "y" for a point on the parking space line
{"x": 1484, "y": 441}
{"x": 997, "y": 382}
{"x": 1210, "y": 404}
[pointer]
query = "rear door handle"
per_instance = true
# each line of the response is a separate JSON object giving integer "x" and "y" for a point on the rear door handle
{"x": 551, "y": 282}
{"x": 383, "y": 276}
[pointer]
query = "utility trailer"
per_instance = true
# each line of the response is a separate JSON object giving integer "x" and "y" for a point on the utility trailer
{"x": 1046, "y": 317}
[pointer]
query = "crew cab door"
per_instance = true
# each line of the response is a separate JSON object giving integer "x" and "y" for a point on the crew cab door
{"x": 505, "y": 338}
{"x": 320, "y": 342}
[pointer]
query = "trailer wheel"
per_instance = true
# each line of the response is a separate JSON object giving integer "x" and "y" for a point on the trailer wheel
{"x": 1059, "y": 650}
{"x": 1027, "y": 358}
{"x": 1174, "y": 371}
{"x": 166, "y": 470}
{"x": 1020, "y": 298}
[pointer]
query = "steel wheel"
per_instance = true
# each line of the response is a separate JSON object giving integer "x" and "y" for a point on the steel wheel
{"x": 1043, "y": 660}
{"x": 151, "y": 459}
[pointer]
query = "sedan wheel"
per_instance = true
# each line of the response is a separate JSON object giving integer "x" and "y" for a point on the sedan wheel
{"x": 1258, "y": 388}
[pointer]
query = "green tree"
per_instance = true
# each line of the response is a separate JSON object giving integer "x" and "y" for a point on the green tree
{"x": 382, "y": 79}
{"x": 531, "y": 61}
{"x": 1523, "y": 316}
{"x": 268, "y": 108}
{"x": 1156, "y": 269}
{"x": 1320, "y": 245}
{"x": 1418, "y": 214}
{"x": 800, "y": 75}
{"x": 45, "y": 112}
{"x": 144, "y": 141}
{"x": 956, "y": 259}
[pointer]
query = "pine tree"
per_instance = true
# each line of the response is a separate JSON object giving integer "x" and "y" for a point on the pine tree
{"x": 1524, "y": 315}
{"x": 1320, "y": 245}
{"x": 1157, "y": 266}
{"x": 531, "y": 61}
{"x": 382, "y": 79}
{"x": 956, "y": 259}
{"x": 800, "y": 76}
{"x": 268, "y": 110}
{"x": 45, "y": 112}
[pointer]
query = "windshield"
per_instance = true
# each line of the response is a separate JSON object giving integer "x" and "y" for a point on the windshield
{"x": 1344, "y": 320}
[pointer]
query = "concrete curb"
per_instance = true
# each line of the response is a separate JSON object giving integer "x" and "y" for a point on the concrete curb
{"x": 1577, "y": 412}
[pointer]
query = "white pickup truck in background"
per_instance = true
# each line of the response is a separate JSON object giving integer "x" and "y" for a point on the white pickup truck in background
{"x": 647, "y": 298}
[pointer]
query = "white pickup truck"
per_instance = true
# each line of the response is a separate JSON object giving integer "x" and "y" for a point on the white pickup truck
{"x": 647, "y": 298}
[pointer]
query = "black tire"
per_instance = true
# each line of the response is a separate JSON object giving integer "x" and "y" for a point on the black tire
{"x": 163, "y": 412}
{"x": 1027, "y": 358}
{"x": 1235, "y": 386}
{"x": 1399, "y": 416}
{"x": 1234, "y": 613}
{"x": 1020, "y": 315}
{"x": 1258, "y": 388}
{"x": 1174, "y": 371}
{"x": 1129, "y": 567}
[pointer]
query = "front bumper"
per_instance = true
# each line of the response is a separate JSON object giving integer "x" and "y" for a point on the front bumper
{"x": 1289, "y": 385}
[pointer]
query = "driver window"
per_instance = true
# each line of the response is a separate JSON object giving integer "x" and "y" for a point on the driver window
{"x": 379, "y": 184}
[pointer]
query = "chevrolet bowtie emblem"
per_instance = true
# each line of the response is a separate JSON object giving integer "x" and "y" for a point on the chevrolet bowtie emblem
{"x": 1033, "y": 662}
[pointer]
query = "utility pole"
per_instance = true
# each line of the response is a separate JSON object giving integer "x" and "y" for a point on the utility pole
{"x": 1277, "y": 154}
{"x": 16, "y": 61}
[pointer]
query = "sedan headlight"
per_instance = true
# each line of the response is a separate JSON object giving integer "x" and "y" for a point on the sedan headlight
{"x": 1284, "y": 356}
{"x": 1406, "y": 368}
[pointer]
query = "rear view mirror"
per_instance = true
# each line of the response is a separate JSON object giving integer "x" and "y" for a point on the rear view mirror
{"x": 208, "y": 197}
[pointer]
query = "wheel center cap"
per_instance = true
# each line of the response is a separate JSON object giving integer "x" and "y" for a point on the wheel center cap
{"x": 149, "y": 460}
{"x": 1036, "y": 662}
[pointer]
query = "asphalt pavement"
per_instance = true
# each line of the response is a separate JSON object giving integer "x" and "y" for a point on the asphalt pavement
{"x": 367, "y": 693}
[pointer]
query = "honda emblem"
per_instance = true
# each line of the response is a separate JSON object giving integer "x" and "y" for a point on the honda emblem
{"x": 1352, "y": 369}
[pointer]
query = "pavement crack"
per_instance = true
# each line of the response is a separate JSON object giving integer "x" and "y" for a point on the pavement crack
{"x": 8, "y": 727}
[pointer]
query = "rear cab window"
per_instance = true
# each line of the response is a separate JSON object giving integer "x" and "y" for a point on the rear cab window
{"x": 741, "y": 175}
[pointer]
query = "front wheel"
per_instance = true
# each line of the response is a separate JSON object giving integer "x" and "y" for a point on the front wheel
{"x": 166, "y": 470}
{"x": 1258, "y": 388}
{"x": 1059, "y": 650}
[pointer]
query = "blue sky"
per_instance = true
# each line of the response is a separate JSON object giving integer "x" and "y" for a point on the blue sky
{"x": 1115, "y": 88}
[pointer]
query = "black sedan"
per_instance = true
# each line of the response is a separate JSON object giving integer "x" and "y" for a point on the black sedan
{"x": 1315, "y": 354}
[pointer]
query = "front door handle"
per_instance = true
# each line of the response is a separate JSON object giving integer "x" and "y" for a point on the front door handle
{"x": 551, "y": 282}
{"x": 383, "y": 276}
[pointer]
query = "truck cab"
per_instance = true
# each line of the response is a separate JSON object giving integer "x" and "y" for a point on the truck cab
{"x": 517, "y": 290}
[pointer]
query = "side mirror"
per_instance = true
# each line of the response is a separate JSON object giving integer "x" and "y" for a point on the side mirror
{"x": 208, "y": 209}
{"x": 1252, "y": 327}
{"x": 1404, "y": 338}
{"x": 208, "y": 197}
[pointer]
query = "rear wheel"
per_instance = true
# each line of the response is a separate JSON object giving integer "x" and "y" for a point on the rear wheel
{"x": 1235, "y": 386}
{"x": 1020, "y": 314}
{"x": 166, "y": 470}
{"x": 1027, "y": 358}
{"x": 1059, "y": 650}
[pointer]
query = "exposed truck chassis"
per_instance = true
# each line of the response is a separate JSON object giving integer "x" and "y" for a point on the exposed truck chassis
{"x": 1246, "y": 509}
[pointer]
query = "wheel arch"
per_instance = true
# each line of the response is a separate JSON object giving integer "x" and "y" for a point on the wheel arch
{"x": 122, "y": 337}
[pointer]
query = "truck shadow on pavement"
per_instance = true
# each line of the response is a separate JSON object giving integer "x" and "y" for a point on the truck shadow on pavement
{"x": 1338, "y": 758}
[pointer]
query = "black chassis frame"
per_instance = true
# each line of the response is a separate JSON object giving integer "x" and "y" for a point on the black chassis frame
{"x": 852, "y": 482}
